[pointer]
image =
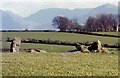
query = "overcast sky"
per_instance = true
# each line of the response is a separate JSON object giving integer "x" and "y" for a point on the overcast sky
{"x": 28, "y": 7}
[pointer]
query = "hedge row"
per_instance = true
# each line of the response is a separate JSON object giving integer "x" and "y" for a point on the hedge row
{"x": 57, "y": 42}
{"x": 96, "y": 34}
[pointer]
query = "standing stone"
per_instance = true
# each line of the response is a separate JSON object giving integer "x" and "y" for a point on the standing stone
{"x": 15, "y": 45}
{"x": 99, "y": 45}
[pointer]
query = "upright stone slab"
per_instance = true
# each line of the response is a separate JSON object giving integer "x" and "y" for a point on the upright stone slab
{"x": 15, "y": 45}
{"x": 99, "y": 45}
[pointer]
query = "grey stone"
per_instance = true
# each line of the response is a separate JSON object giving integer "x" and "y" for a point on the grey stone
{"x": 15, "y": 45}
{"x": 104, "y": 50}
{"x": 36, "y": 51}
{"x": 80, "y": 47}
{"x": 95, "y": 46}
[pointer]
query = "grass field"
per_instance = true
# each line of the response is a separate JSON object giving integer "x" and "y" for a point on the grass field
{"x": 71, "y": 37}
{"x": 59, "y": 64}
{"x": 46, "y": 47}
{"x": 57, "y": 61}
{"x": 109, "y": 33}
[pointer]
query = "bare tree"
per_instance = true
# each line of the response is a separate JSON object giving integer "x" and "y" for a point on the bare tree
{"x": 107, "y": 22}
{"x": 102, "y": 22}
{"x": 90, "y": 24}
{"x": 65, "y": 24}
{"x": 60, "y": 22}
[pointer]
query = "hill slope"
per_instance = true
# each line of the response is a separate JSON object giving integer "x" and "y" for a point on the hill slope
{"x": 43, "y": 18}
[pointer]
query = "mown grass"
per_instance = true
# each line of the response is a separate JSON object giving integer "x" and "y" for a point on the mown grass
{"x": 57, "y": 61}
{"x": 71, "y": 37}
{"x": 109, "y": 33}
{"x": 59, "y": 64}
{"x": 46, "y": 47}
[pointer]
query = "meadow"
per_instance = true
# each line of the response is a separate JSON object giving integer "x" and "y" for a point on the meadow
{"x": 59, "y": 64}
{"x": 109, "y": 33}
{"x": 69, "y": 37}
{"x": 58, "y": 61}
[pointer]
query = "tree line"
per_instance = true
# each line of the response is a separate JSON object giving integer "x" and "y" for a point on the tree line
{"x": 100, "y": 22}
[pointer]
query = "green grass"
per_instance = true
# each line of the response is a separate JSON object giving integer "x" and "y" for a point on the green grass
{"x": 71, "y": 37}
{"x": 57, "y": 61}
{"x": 46, "y": 47}
{"x": 109, "y": 33}
{"x": 50, "y": 48}
{"x": 59, "y": 64}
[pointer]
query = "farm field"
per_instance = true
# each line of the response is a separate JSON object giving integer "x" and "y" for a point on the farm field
{"x": 109, "y": 33}
{"x": 58, "y": 61}
{"x": 59, "y": 64}
{"x": 71, "y": 37}
{"x": 46, "y": 47}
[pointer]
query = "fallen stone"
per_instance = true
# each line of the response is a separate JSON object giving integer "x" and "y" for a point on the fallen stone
{"x": 36, "y": 51}
{"x": 95, "y": 46}
{"x": 80, "y": 47}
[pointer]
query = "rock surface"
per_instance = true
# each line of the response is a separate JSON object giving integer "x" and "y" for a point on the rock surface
{"x": 15, "y": 45}
{"x": 95, "y": 46}
{"x": 36, "y": 51}
{"x": 82, "y": 48}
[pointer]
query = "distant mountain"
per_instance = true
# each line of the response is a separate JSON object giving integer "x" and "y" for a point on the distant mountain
{"x": 43, "y": 18}
{"x": 46, "y": 16}
{"x": 106, "y": 8}
{"x": 11, "y": 20}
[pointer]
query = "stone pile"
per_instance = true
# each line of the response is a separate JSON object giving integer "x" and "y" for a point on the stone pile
{"x": 94, "y": 47}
